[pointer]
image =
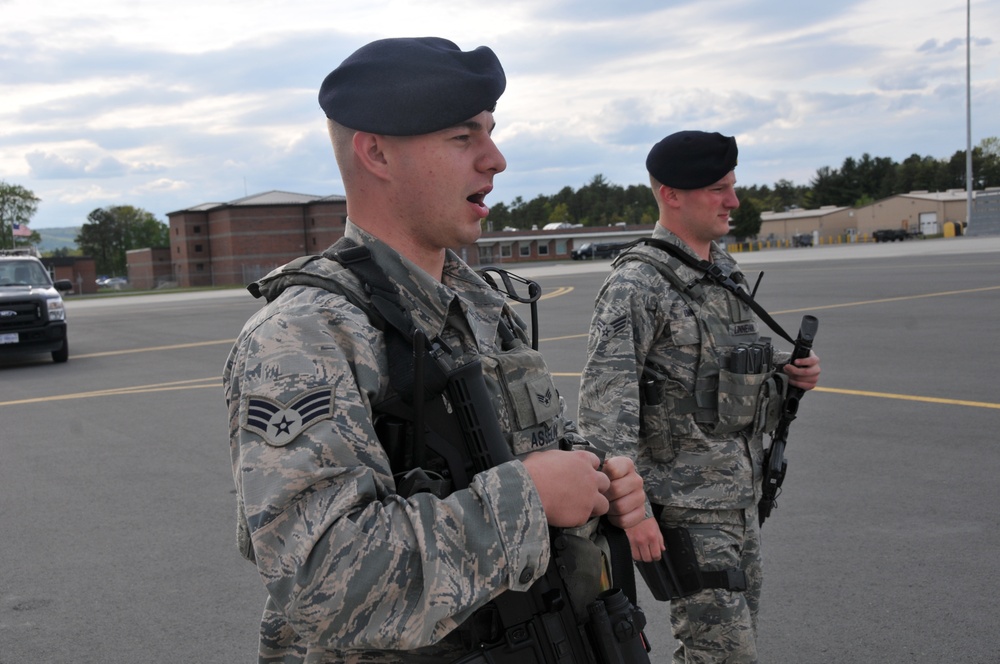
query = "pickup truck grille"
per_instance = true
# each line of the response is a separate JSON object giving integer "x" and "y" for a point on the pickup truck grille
{"x": 17, "y": 314}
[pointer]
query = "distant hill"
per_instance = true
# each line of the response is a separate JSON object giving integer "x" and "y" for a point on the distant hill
{"x": 57, "y": 238}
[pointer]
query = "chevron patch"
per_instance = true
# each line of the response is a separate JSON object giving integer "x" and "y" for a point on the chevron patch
{"x": 544, "y": 399}
{"x": 609, "y": 330}
{"x": 279, "y": 423}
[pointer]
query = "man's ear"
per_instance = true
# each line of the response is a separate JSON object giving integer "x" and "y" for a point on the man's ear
{"x": 668, "y": 195}
{"x": 369, "y": 151}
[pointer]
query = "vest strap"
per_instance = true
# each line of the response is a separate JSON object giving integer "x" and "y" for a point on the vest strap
{"x": 715, "y": 273}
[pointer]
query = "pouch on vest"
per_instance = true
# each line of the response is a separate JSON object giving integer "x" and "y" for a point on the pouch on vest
{"x": 738, "y": 401}
{"x": 654, "y": 420}
{"x": 529, "y": 396}
{"x": 772, "y": 400}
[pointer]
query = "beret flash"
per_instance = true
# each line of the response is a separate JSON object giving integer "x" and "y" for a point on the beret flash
{"x": 411, "y": 86}
{"x": 692, "y": 159}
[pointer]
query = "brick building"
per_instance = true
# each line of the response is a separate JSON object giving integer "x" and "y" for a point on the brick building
{"x": 217, "y": 244}
{"x": 81, "y": 270}
{"x": 149, "y": 268}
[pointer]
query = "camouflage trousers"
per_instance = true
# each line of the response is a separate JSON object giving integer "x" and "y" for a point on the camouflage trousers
{"x": 716, "y": 625}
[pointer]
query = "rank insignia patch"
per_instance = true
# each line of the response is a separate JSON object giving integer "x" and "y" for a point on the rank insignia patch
{"x": 278, "y": 423}
{"x": 544, "y": 399}
{"x": 609, "y": 330}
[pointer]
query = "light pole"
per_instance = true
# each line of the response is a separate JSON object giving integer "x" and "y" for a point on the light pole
{"x": 968, "y": 112}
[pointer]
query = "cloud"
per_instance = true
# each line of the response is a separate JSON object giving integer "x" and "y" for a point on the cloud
{"x": 168, "y": 106}
{"x": 48, "y": 166}
{"x": 933, "y": 46}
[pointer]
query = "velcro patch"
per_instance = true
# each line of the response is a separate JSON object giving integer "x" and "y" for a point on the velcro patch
{"x": 279, "y": 423}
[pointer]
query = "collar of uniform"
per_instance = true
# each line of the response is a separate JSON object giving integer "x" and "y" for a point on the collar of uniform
{"x": 716, "y": 254}
{"x": 428, "y": 299}
{"x": 481, "y": 303}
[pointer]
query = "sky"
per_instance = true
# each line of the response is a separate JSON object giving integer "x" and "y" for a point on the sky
{"x": 168, "y": 105}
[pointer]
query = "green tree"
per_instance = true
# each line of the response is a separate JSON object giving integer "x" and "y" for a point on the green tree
{"x": 560, "y": 212}
{"x": 596, "y": 201}
{"x": 746, "y": 219}
{"x": 989, "y": 167}
{"x": 112, "y": 231}
{"x": 787, "y": 196}
{"x": 499, "y": 216}
{"x": 17, "y": 206}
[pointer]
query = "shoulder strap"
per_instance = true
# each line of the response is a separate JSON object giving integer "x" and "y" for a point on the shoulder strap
{"x": 408, "y": 348}
{"x": 715, "y": 273}
{"x": 689, "y": 288}
{"x": 384, "y": 296}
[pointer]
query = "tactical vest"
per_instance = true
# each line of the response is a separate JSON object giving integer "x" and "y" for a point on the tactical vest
{"x": 724, "y": 398}
{"x": 570, "y": 598}
{"x": 527, "y": 402}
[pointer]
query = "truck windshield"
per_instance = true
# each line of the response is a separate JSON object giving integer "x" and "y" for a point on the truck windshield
{"x": 23, "y": 273}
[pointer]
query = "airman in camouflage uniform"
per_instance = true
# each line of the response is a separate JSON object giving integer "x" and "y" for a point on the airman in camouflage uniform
{"x": 354, "y": 571}
{"x": 697, "y": 439}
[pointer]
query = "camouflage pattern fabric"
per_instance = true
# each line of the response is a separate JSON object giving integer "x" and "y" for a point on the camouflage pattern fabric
{"x": 354, "y": 572}
{"x": 641, "y": 319}
{"x": 715, "y": 625}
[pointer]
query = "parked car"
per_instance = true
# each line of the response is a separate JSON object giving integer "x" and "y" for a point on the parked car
{"x": 889, "y": 235}
{"x": 802, "y": 240}
{"x": 116, "y": 283}
{"x": 593, "y": 250}
{"x": 32, "y": 312}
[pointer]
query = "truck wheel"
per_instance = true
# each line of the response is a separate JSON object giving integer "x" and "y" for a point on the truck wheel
{"x": 62, "y": 354}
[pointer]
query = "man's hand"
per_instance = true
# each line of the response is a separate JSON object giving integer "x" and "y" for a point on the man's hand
{"x": 570, "y": 485}
{"x": 804, "y": 374}
{"x": 646, "y": 540}
{"x": 625, "y": 495}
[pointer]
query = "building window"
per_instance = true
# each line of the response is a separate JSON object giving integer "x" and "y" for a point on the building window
{"x": 199, "y": 267}
{"x": 524, "y": 250}
{"x": 543, "y": 250}
{"x": 505, "y": 251}
{"x": 196, "y": 229}
{"x": 485, "y": 254}
{"x": 197, "y": 247}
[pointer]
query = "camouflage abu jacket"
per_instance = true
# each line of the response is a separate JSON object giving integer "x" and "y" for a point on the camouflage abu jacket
{"x": 353, "y": 571}
{"x": 643, "y": 321}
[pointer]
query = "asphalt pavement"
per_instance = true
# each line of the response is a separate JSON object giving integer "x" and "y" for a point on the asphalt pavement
{"x": 118, "y": 510}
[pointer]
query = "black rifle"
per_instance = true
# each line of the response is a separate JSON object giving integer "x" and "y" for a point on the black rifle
{"x": 775, "y": 464}
{"x": 539, "y": 625}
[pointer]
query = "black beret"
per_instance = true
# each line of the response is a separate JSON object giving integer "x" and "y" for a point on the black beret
{"x": 411, "y": 86}
{"x": 692, "y": 159}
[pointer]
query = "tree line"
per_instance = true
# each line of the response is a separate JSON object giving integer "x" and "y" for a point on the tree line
{"x": 858, "y": 182}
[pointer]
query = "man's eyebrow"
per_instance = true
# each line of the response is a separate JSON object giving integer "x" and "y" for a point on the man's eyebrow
{"x": 474, "y": 125}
